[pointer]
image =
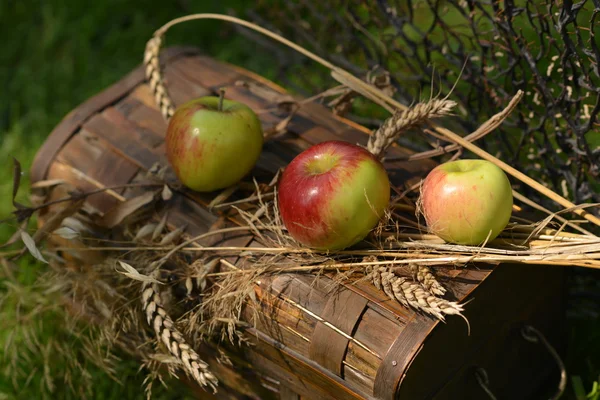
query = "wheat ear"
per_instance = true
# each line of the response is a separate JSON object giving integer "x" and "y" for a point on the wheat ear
{"x": 409, "y": 293}
{"x": 425, "y": 277}
{"x": 403, "y": 120}
{"x": 165, "y": 329}
{"x": 154, "y": 77}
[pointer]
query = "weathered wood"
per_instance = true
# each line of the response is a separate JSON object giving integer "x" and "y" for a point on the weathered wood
{"x": 328, "y": 346}
{"x": 313, "y": 338}
{"x": 324, "y": 383}
{"x": 400, "y": 355}
{"x": 75, "y": 119}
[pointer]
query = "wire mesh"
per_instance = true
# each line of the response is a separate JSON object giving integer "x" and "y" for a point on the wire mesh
{"x": 488, "y": 50}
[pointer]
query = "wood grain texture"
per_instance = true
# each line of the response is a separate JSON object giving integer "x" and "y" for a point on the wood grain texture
{"x": 400, "y": 355}
{"x": 343, "y": 311}
{"x": 316, "y": 381}
{"x": 75, "y": 119}
{"x": 117, "y": 136}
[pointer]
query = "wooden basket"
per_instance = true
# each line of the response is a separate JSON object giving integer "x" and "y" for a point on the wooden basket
{"x": 328, "y": 341}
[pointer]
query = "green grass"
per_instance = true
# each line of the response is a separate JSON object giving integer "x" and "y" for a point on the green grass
{"x": 56, "y": 54}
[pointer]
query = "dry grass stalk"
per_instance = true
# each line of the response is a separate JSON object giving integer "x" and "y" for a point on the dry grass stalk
{"x": 533, "y": 204}
{"x": 220, "y": 312}
{"x": 166, "y": 331}
{"x": 28, "y": 349}
{"x": 342, "y": 104}
{"x": 487, "y": 127}
{"x": 518, "y": 244}
{"x": 404, "y": 120}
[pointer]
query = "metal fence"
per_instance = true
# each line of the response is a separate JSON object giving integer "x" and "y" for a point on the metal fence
{"x": 489, "y": 49}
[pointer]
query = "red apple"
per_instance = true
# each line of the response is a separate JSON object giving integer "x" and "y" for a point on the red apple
{"x": 212, "y": 146}
{"x": 467, "y": 201}
{"x": 332, "y": 194}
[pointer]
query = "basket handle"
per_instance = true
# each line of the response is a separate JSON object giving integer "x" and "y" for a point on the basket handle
{"x": 532, "y": 335}
{"x": 153, "y": 47}
{"x": 155, "y": 77}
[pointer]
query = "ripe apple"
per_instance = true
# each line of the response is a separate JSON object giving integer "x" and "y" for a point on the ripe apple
{"x": 212, "y": 143}
{"x": 332, "y": 194}
{"x": 464, "y": 201}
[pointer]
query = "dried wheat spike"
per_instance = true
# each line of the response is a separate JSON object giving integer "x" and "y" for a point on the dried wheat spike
{"x": 154, "y": 77}
{"x": 426, "y": 278}
{"x": 165, "y": 329}
{"x": 411, "y": 294}
{"x": 404, "y": 120}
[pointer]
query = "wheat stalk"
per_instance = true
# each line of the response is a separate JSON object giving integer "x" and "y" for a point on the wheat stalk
{"x": 403, "y": 120}
{"x": 172, "y": 338}
{"x": 154, "y": 77}
{"x": 426, "y": 278}
{"x": 409, "y": 293}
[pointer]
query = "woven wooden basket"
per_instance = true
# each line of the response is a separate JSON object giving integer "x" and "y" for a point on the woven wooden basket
{"x": 319, "y": 339}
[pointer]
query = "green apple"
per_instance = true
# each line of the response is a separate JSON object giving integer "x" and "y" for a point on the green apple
{"x": 466, "y": 201}
{"x": 332, "y": 195}
{"x": 212, "y": 143}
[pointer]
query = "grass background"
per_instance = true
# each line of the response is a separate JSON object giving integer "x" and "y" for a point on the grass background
{"x": 55, "y": 55}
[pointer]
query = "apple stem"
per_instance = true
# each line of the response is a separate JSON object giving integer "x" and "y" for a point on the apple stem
{"x": 221, "y": 98}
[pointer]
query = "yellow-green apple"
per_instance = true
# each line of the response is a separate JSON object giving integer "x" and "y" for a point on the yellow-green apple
{"x": 212, "y": 143}
{"x": 466, "y": 201}
{"x": 332, "y": 194}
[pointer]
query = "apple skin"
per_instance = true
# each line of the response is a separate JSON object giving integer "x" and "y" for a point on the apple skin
{"x": 322, "y": 195}
{"x": 463, "y": 200}
{"x": 211, "y": 149}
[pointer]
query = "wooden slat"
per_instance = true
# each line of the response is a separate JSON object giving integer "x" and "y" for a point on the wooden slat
{"x": 324, "y": 384}
{"x": 286, "y": 393}
{"x": 399, "y": 356}
{"x": 99, "y": 202}
{"x": 127, "y": 143}
{"x": 206, "y": 72}
{"x": 376, "y": 332}
{"x": 145, "y": 137}
{"x": 281, "y": 327}
{"x": 282, "y": 312}
{"x": 363, "y": 382}
{"x": 112, "y": 170}
{"x": 308, "y": 291}
{"x": 180, "y": 87}
{"x": 73, "y": 121}
{"x": 150, "y": 119}
{"x": 282, "y": 371}
{"x": 196, "y": 219}
{"x": 143, "y": 94}
{"x": 328, "y": 347}
{"x": 319, "y": 115}
{"x": 362, "y": 360}
{"x": 386, "y": 306}
{"x": 128, "y": 105}
{"x": 81, "y": 152}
